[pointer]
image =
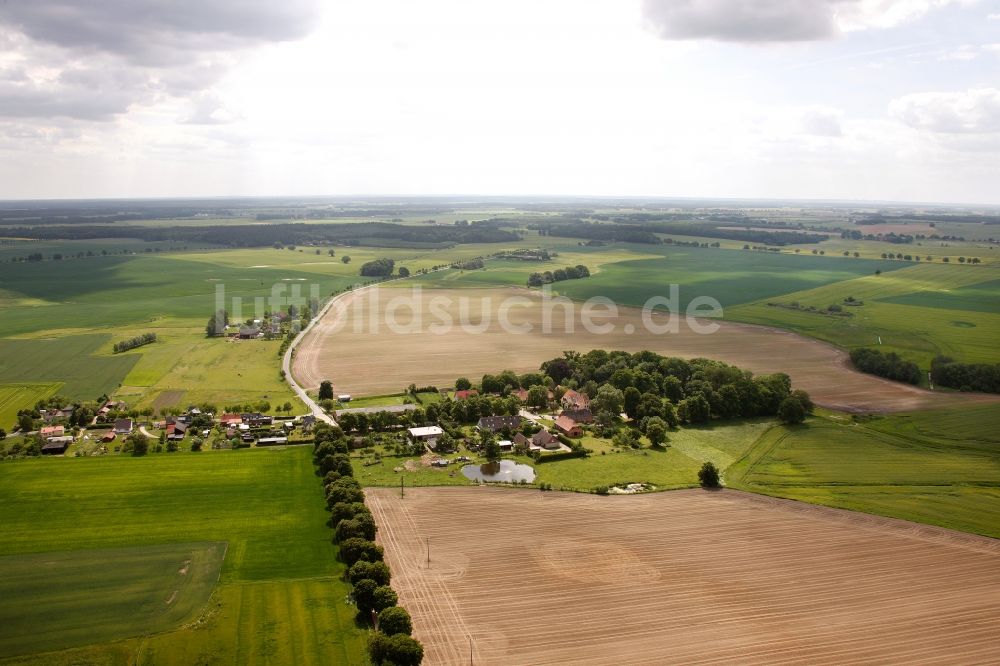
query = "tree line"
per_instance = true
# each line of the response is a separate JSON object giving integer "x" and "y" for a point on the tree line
{"x": 984, "y": 377}
{"x": 137, "y": 341}
{"x": 378, "y": 268}
{"x": 558, "y": 275}
{"x": 885, "y": 364}
{"x": 390, "y": 641}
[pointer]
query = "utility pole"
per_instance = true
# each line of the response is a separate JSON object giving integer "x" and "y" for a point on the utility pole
{"x": 470, "y": 650}
{"x": 401, "y": 494}
{"x": 428, "y": 552}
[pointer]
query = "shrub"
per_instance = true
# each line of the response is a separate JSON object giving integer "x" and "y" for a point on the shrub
{"x": 708, "y": 476}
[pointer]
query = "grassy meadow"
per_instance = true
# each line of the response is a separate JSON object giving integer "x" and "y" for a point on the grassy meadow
{"x": 930, "y": 467}
{"x": 279, "y": 582}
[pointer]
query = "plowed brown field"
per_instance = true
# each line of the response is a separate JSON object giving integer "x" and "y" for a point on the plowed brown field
{"x": 525, "y": 577}
{"x": 365, "y": 359}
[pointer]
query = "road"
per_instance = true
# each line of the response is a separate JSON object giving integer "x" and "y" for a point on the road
{"x": 286, "y": 361}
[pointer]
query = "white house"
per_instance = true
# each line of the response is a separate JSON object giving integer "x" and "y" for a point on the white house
{"x": 426, "y": 434}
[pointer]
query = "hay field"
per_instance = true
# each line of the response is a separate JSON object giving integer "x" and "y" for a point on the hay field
{"x": 364, "y": 359}
{"x": 682, "y": 577}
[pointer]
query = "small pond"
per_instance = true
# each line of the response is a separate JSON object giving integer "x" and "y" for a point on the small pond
{"x": 505, "y": 471}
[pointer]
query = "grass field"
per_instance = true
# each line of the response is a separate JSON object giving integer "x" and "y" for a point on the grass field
{"x": 904, "y": 309}
{"x": 15, "y": 397}
{"x": 280, "y": 580}
{"x": 68, "y": 598}
{"x": 525, "y": 577}
{"x": 941, "y": 468}
{"x": 70, "y": 360}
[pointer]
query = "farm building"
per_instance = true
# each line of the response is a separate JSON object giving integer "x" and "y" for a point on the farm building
{"x": 256, "y": 419}
{"x": 52, "y": 431}
{"x": 344, "y": 397}
{"x": 249, "y": 332}
{"x": 176, "y": 431}
{"x": 272, "y": 441}
{"x": 124, "y": 426}
{"x": 498, "y": 423}
{"x": 568, "y": 427}
{"x": 109, "y": 436}
{"x": 466, "y": 394}
{"x": 573, "y": 400}
{"x": 428, "y": 435}
{"x": 56, "y": 446}
{"x": 506, "y": 445}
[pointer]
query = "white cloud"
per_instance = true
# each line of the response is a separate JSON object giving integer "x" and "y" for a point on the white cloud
{"x": 779, "y": 20}
{"x": 975, "y": 111}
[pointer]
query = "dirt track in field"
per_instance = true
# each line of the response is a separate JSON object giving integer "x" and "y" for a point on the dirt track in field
{"x": 345, "y": 348}
{"x": 682, "y": 577}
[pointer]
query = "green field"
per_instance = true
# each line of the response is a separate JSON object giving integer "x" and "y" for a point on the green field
{"x": 903, "y": 308}
{"x": 931, "y": 467}
{"x": 15, "y": 397}
{"x": 69, "y": 598}
{"x": 280, "y": 581}
{"x": 70, "y": 359}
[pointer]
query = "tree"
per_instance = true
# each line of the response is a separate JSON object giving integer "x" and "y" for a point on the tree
{"x": 364, "y": 594}
{"x": 24, "y": 421}
{"x": 355, "y": 549}
{"x": 376, "y": 571}
{"x": 491, "y": 447}
{"x": 395, "y": 650}
{"x": 404, "y": 272}
{"x": 383, "y": 597}
{"x": 462, "y": 384}
{"x": 609, "y": 400}
{"x": 217, "y": 323}
{"x": 395, "y": 620}
{"x": 331, "y": 252}
{"x": 326, "y": 390}
{"x": 656, "y": 430}
{"x": 538, "y": 396}
{"x": 695, "y": 409}
{"x": 139, "y": 443}
{"x": 791, "y": 410}
{"x": 632, "y": 397}
{"x": 346, "y": 258}
{"x": 708, "y": 476}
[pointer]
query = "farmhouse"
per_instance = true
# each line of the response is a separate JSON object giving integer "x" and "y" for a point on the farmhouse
{"x": 249, "y": 332}
{"x": 256, "y": 419}
{"x": 579, "y": 415}
{"x": 574, "y": 400}
{"x": 428, "y": 435}
{"x": 176, "y": 431}
{"x": 124, "y": 426}
{"x": 231, "y": 420}
{"x": 52, "y": 431}
{"x": 498, "y": 423}
{"x": 568, "y": 427}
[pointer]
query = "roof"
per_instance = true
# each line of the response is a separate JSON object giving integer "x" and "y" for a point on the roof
{"x": 542, "y": 437}
{"x": 228, "y": 418}
{"x": 565, "y": 423}
{"x": 575, "y": 398}
{"x": 123, "y": 424}
{"x": 465, "y": 393}
{"x": 426, "y": 431}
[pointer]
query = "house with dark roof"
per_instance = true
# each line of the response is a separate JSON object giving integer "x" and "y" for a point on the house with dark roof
{"x": 498, "y": 423}
{"x": 124, "y": 426}
{"x": 579, "y": 415}
{"x": 56, "y": 446}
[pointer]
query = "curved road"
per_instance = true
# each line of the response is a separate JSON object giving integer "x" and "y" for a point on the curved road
{"x": 286, "y": 360}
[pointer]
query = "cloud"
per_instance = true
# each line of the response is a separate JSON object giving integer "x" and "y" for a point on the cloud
{"x": 821, "y": 121}
{"x": 209, "y": 109}
{"x": 764, "y": 21}
{"x": 95, "y": 60}
{"x": 975, "y": 111}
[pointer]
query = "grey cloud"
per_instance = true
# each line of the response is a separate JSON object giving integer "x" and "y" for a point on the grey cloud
{"x": 742, "y": 20}
{"x": 111, "y": 54}
{"x": 821, "y": 122}
{"x": 975, "y": 111}
{"x": 160, "y": 32}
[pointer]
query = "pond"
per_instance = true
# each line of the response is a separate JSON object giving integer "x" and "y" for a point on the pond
{"x": 505, "y": 471}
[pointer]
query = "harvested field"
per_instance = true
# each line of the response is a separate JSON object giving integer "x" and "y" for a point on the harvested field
{"x": 364, "y": 359}
{"x": 682, "y": 577}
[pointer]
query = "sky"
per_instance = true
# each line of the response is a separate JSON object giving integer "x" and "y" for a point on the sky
{"x": 888, "y": 100}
